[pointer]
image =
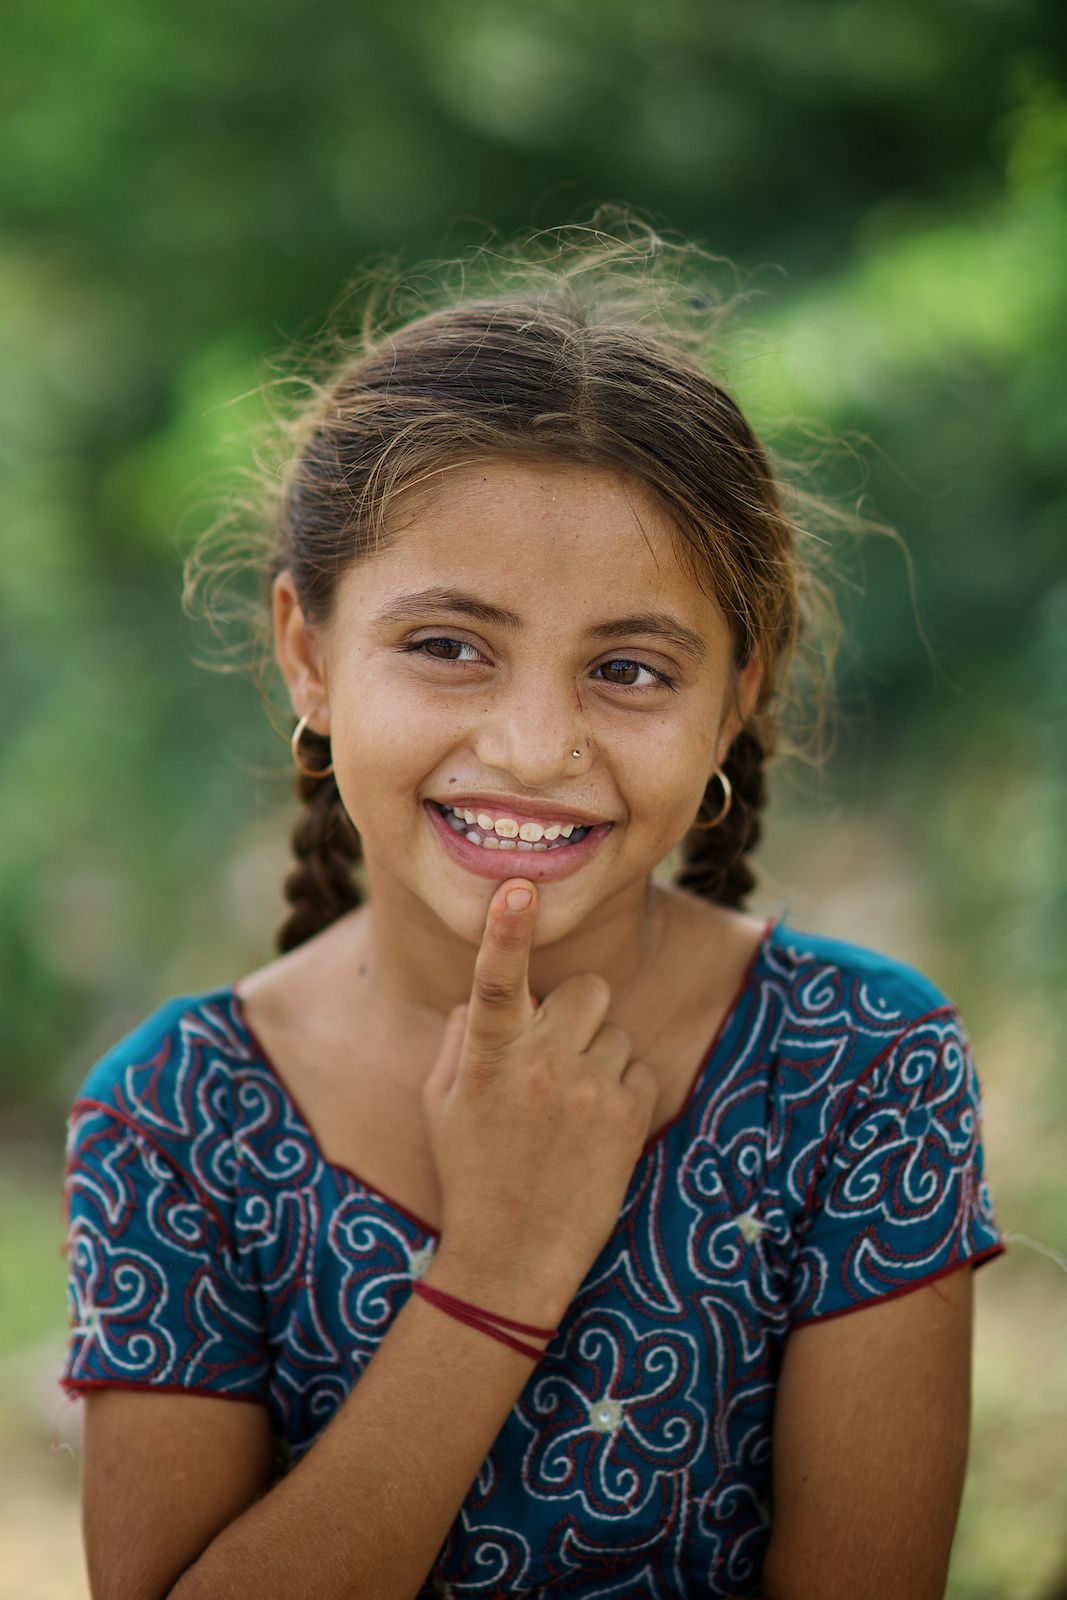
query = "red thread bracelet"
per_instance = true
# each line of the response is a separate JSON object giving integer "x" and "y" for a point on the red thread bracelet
{"x": 442, "y": 1295}
{"x": 496, "y": 1333}
{"x": 478, "y": 1317}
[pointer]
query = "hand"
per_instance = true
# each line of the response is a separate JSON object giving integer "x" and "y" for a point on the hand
{"x": 536, "y": 1117}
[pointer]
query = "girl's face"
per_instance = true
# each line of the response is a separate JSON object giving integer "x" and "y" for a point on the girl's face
{"x": 429, "y": 699}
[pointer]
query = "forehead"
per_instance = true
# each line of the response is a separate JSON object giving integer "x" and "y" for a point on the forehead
{"x": 530, "y": 535}
{"x": 536, "y": 498}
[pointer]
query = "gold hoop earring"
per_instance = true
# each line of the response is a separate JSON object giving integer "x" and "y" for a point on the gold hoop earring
{"x": 729, "y": 793}
{"x": 294, "y": 743}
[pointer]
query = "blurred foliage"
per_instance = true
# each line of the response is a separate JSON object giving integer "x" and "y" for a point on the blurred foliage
{"x": 186, "y": 188}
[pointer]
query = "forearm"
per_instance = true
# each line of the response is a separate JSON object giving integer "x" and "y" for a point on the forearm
{"x": 364, "y": 1513}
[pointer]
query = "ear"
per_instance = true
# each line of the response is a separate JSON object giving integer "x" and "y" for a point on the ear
{"x": 747, "y": 691}
{"x": 299, "y": 652}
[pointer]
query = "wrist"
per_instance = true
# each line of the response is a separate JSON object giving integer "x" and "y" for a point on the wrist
{"x": 502, "y": 1293}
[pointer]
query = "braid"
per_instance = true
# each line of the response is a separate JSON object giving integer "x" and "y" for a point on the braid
{"x": 320, "y": 888}
{"x": 714, "y": 864}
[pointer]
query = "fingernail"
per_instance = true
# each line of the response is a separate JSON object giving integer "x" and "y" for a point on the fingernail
{"x": 518, "y": 899}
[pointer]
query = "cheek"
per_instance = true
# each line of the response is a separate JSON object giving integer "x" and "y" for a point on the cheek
{"x": 386, "y": 740}
{"x": 665, "y": 789}
{"x": 377, "y": 710}
{"x": 675, "y": 758}
{"x": 671, "y": 813}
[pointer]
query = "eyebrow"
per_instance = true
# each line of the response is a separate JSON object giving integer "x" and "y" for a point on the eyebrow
{"x": 660, "y": 624}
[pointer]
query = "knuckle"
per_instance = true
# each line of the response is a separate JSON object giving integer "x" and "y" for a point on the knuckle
{"x": 634, "y": 1106}
{"x": 482, "y": 1066}
{"x": 540, "y": 1080}
{"x": 587, "y": 1092}
{"x": 491, "y": 990}
{"x": 593, "y": 987}
{"x": 642, "y": 1079}
{"x": 646, "y": 1088}
{"x": 543, "y": 1056}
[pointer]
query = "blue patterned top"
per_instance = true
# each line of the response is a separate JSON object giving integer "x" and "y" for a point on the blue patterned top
{"x": 829, "y": 1155}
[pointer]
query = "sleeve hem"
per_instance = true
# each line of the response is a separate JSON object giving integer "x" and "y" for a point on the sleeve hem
{"x": 905, "y": 1288}
{"x": 74, "y": 1387}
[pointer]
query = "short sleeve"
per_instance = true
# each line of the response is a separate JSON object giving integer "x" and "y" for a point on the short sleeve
{"x": 899, "y": 1195}
{"x": 155, "y": 1294}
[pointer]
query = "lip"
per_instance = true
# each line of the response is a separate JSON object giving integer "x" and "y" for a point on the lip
{"x": 501, "y": 806}
{"x": 540, "y": 866}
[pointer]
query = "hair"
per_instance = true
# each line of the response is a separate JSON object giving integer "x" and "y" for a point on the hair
{"x": 573, "y": 346}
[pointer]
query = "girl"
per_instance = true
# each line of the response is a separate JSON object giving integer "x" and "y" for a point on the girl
{"x": 559, "y": 1227}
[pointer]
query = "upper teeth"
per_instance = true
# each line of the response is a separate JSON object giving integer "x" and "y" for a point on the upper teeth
{"x": 508, "y": 828}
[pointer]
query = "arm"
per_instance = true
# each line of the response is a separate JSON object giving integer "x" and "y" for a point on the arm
{"x": 871, "y": 1433}
{"x": 361, "y": 1517}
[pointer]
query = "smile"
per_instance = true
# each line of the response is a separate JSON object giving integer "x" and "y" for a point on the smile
{"x": 495, "y": 855}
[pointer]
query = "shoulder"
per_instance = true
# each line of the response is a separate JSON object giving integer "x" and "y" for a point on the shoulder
{"x": 858, "y": 1040}
{"x": 826, "y": 976}
{"x": 168, "y": 1085}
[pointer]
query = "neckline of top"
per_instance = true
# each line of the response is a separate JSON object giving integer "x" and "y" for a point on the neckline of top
{"x": 756, "y": 960}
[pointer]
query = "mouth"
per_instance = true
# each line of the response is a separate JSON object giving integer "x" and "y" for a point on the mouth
{"x": 499, "y": 858}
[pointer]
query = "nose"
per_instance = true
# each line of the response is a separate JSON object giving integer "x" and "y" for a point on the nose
{"x": 530, "y": 730}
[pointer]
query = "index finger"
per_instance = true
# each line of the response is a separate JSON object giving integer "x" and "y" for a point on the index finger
{"x": 500, "y": 1006}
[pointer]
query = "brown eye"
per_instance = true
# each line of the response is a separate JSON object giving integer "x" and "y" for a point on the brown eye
{"x": 420, "y": 645}
{"x": 628, "y": 666}
{"x": 635, "y": 666}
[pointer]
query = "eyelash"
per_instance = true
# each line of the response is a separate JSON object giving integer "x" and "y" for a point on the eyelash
{"x": 665, "y": 680}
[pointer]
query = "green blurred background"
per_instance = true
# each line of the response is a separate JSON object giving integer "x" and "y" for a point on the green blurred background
{"x": 186, "y": 189}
